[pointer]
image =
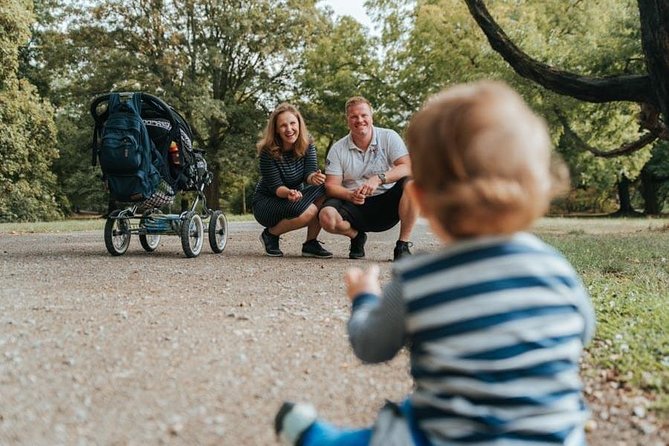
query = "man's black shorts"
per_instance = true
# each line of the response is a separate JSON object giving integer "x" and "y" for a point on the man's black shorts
{"x": 377, "y": 214}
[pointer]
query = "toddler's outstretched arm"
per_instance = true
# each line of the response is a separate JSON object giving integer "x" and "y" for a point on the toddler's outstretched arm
{"x": 376, "y": 325}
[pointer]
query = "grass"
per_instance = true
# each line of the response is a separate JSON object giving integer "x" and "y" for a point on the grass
{"x": 92, "y": 223}
{"x": 624, "y": 264}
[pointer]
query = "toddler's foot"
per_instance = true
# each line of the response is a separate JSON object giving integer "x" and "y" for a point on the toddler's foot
{"x": 292, "y": 421}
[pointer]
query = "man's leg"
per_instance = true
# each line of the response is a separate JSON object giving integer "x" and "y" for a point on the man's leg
{"x": 332, "y": 222}
{"x": 408, "y": 212}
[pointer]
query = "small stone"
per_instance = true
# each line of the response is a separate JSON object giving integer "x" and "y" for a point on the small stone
{"x": 175, "y": 428}
{"x": 639, "y": 411}
{"x": 590, "y": 426}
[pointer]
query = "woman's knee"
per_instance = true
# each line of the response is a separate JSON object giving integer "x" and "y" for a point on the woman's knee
{"x": 310, "y": 213}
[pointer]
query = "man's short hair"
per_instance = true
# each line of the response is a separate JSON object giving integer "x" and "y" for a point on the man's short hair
{"x": 355, "y": 100}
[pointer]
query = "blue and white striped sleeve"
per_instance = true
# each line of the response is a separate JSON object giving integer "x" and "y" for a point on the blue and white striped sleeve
{"x": 376, "y": 328}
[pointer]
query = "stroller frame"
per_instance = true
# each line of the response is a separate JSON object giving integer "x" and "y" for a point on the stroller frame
{"x": 150, "y": 223}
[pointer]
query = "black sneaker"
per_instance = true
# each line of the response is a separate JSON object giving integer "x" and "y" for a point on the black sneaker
{"x": 292, "y": 421}
{"x": 357, "y": 249}
{"x": 401, "y": 250}
{"x": 313, "y": 248}
{"x": 271, "y": 244}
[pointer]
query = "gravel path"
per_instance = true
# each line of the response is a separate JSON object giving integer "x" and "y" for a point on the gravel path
{"x": 155, "y": 348}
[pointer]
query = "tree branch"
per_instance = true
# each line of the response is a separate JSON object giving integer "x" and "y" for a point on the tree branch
{"x": 625, "y": 149}
{"x": 635, "y": 88}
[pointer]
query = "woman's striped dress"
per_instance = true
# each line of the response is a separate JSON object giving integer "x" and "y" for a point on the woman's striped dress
{"x": 292, "y": 172}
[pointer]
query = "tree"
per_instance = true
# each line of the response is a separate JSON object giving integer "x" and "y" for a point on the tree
{"x": 27, "y": 131}
{"x": 441, "y": 44}
{"x": 338, "y": 65}
{"x": 221, "y": 63}
{"x": 650, "y": 89}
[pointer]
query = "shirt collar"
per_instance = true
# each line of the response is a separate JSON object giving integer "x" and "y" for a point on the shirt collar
{"x": 374, "y": 143}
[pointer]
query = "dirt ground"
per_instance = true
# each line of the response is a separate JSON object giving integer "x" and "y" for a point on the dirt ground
{"x": 155, "y": 348}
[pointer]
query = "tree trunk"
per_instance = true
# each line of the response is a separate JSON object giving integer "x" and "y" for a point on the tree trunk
{"x": 650, "y": 193}
{"x": 243, "y": 195}
{"x": 654, "y": 17}
{"x": 212, "y": 192}
{"x": 624, "y": 195}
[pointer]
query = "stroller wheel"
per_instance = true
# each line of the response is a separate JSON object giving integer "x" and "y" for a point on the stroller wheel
{"x": 218, "y": 231}
{"x": 192, "y": 232}
{"x": 117, "y": 235}
{"x": 148, "y": 241}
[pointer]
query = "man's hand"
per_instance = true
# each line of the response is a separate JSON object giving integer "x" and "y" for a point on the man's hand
{"x": 357, "y": 197}
{"x": 368, "y": 187}
{"x": 359, "y": 282}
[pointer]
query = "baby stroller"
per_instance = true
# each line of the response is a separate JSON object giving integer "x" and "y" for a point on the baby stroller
{"x": 145, "y": 151}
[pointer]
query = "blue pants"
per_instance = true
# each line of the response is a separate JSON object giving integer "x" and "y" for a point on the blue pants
{"x": 322, "y": 433}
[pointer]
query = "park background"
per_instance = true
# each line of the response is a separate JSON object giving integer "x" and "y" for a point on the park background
{"x": 225, "y": 64}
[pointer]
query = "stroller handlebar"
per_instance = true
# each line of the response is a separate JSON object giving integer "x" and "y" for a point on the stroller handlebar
{"x": 100, "y": 114}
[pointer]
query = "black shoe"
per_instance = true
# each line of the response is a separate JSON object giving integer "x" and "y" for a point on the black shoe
{"x": 357, "y": 249}
{"x": 292, "y": 421}
{"x": 401, "y": 250}
{"x": 271, "y": 244}
{"x": 313, "y": 248}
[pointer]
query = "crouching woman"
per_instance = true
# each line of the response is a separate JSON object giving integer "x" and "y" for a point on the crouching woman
{"x": 290, "y": 191}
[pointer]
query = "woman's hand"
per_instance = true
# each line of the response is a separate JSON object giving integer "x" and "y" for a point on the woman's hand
{"x": 359, "y": 282}
{"x": 294, "y": 195}
{"x": 317, "y": 178}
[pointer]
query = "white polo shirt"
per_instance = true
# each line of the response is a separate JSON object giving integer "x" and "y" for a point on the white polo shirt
{"x": 355, "y": 166}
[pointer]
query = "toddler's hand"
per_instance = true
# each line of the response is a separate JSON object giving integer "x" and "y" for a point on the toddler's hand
{"x": 358, "y": 282}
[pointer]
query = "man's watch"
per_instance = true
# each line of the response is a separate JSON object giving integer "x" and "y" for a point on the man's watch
{"x": 382, "y": 177}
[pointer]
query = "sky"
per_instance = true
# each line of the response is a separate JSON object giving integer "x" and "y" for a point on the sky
{"x": 354, "y": 8}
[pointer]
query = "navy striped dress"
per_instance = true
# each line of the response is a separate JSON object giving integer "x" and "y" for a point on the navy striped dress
{"x": 292, "y": 172}
{"x": 495, "y": 328}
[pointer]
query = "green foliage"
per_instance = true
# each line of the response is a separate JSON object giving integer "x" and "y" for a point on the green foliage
{"x": 226, "y": 63}
{"x": 339, "y": 64}
{"x": 221, "y": 63}
{"x": 16, "y": 17}
{"x": 27, "y": 132}
{"x": 27, "y": 136}
{"x": 440, "y": 44}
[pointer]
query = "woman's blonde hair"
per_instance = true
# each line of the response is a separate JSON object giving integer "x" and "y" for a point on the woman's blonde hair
{"x": 482, "y": 160}
{"x": 270, "y": 140}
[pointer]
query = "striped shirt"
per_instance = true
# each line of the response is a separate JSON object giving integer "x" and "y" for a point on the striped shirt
{"x": 289, "y": 171}
{"x": 495, "y": 328}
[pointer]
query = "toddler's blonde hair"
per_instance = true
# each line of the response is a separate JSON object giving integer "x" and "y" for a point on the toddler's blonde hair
{"x": 482, "y": 160}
